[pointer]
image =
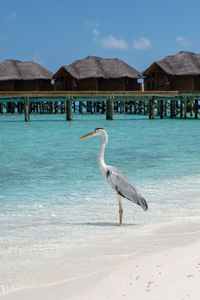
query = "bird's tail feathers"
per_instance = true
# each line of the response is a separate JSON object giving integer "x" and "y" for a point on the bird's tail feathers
{"x": 142, "y": 202}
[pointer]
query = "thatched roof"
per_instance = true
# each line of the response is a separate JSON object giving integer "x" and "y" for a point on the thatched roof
{"x": 183, "y": 63}
{"x": 17, "y": 70}
{"x": 97, "y": 67}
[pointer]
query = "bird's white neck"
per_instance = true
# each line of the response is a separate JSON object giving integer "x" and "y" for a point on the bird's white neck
{"x": 101, "y": 161}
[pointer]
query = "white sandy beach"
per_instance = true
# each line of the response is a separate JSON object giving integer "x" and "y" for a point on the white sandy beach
{"x": 173, "y": 274}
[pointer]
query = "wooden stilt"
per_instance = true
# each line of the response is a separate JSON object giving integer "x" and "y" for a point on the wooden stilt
{"x": 8, "y": 110}
{"x": 165, "y": 107}
{"x": 107, "y": 109}
{"x": 140, "y": 107}
{"x": 116, "y": 106}
{"x": 196, "y": 107}
{"x": 191, "y": 109}
{"x": 31, "y": 107}
{"x": 98, "y": 107}
{"x": 51, "y": 110}
{"x": 19, "y": 106}
{"x": 80, "y": 107}
{"x": 185, "y": 108}
{"x": 144, "y": 107}
{"x": 171, "y": 109}
{"x": 94, "y": 106}
{"x": 158, "y": 107}
{"x": 121, "y": 107}
{"x": 150, "y": 109}
{"x": 56, "y": 107}
{"x": 87, "y": 106}
{"x": 37, "y": 107}
{"x": 12, "y": 108}
{"x": 131, "y": 107}
{"x": 26, "y": 109}
{"x": 126, "y": 107}
{"x": 153, "y": 108}
{"x": 90, "y": 106}
{"x": 161, "y": 109}
{"x": 61, "y": 107}
{"x": 69, "y": 109}
{"x": 181, "y": 108}
{"x": 42, "y": 107}
{"x": 102, "y": 107}
{"x": 176, "y": 108}
{"x": 110, "y": 109}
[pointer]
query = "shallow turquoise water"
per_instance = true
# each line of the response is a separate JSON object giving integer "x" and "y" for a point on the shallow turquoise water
{"x": 56, "y": 212}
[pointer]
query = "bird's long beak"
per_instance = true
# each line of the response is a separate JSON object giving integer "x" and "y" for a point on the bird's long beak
{"x": 86, "y": 135}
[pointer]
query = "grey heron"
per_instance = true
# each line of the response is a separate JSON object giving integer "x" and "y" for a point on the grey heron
{"x": 115, "y": 178}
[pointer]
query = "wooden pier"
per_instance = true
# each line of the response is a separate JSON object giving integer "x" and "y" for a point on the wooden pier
{"x": 152, "y": 103}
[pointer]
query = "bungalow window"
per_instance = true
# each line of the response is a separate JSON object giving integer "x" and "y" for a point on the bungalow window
{"x": 166, "y": 80}
{"x": 74, "y": 84}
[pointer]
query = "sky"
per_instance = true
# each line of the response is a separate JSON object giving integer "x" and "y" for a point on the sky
{"x": 58, "y": 32}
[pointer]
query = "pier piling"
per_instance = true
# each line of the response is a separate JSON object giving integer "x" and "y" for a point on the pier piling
{"x": 161, "y": 109}
{"x": 196, "y": 104}
{"x": 153, "y": 108}
{"x": 185, "y": 108}
{"x": 69, "y": 110}
{"x": 26, "y": 109}
{"x": 110, "y": 109}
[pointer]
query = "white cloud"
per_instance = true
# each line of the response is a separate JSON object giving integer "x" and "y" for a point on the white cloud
{"x": 95, "y": 32}
{"x": 37, "y": 58}
{"x": 10, "y": 18}
{"x": 141, "y": 44}
{"x": 112, "y": 42}
{"x": 109, "y": 42}
{"x": 183, "y": 41}
{"x": 91, "y": 24}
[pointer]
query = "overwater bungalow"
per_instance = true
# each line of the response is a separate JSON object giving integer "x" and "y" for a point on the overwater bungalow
{"x": 24, "y": 76}
{"x": 97, "y": 74}
{"x": 177, "y": 72}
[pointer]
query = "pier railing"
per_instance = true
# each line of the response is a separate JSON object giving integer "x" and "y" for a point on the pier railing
{"x": 160, "y": 103}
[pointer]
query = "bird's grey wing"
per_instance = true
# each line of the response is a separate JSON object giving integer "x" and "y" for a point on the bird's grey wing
{"x": 124, "y": 187}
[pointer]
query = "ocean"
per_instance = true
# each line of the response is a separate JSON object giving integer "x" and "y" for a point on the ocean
{"x": 59, "y": 219}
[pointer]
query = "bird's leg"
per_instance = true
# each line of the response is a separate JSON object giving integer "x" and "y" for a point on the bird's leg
{"x": 120, "y": 209}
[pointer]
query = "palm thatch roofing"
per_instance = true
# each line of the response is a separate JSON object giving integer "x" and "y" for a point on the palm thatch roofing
{"x": 97, "y": 67}
{"x": 17, "y": 70}
{"x": 183, "y": 63}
